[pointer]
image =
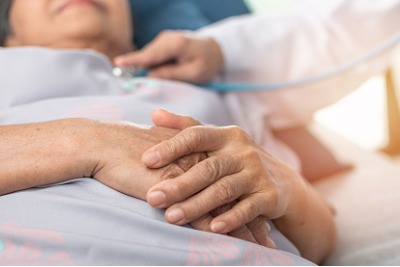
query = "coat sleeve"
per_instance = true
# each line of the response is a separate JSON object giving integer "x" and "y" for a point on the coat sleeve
{"x": 317, "y": 37}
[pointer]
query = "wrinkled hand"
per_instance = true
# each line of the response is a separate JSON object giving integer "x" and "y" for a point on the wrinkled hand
{"x": 234, "y": 184}
{"x": 119, "y": 147}
{"x": 173, "y": 55}
{"x": 119, "y": 166}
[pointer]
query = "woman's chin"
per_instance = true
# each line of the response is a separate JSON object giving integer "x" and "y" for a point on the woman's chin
{"x": 85, "y": 29}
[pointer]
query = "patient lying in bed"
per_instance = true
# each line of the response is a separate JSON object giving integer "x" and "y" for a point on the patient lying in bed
{"x": 82, "y": 221}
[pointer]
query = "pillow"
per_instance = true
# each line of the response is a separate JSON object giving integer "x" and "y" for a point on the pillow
{"x": 153, "y": 16}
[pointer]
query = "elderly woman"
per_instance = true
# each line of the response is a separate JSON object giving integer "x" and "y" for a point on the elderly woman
{"x": 58, "y": 104}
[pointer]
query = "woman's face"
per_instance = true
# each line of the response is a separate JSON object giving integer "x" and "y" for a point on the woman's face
{"x": 103, "y": 25}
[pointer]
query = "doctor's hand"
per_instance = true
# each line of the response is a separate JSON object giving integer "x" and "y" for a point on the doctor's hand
{"x": 247, "y": 183}
{"x": 176, "y": 56}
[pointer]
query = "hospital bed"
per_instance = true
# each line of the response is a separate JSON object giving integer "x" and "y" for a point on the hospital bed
{"x": 365, "y": 200}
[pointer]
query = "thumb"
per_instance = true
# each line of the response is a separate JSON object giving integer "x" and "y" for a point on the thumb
{"x": 163, "y": 118}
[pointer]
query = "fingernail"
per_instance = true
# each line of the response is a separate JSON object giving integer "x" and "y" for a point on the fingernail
{"x": 268, "y": 227}
{"x": 118, "y": 60}
{"x": 151, "y": 158}
{"x": 156, "y": 198}
{"x": 271, "y": 243}
{"x": 218, "y": 227}
{"x": 175, "y": 215}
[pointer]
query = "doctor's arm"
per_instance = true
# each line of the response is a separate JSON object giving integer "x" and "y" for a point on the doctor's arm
{"x": 316, "y": 38}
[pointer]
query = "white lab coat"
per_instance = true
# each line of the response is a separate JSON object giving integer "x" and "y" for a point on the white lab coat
{"x": 317, "y": 37}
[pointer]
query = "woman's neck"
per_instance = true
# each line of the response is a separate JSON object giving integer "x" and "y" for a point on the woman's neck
{"x": 109, "y": 49}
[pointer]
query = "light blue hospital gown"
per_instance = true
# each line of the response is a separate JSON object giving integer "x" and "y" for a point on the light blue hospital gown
{"x": 83, "y": 222}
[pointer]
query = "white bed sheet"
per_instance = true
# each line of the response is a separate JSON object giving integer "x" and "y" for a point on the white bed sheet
{"x": 366, "y": 200}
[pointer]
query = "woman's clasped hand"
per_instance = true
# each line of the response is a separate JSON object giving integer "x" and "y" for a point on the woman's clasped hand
{"x": 238, "y": 185}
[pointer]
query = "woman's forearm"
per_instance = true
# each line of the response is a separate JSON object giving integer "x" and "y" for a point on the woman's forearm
{"x": 42, "y": 153}
{"x": 110, "y": 152}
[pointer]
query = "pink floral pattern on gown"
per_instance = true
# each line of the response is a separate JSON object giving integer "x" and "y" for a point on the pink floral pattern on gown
{"x": 211, "y": 250}
{"x": 29, "y": 252}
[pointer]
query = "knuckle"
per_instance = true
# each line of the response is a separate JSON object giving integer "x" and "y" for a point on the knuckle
{"x": 172, "y": 146}
{"x": 177, "y": 38}
{"x": 258, "y": 224}
{"x": 226, "y": 192}
{"x": 190, "y": 138}
{"x": 247, "y": 213}
{"x": 209, "y": 170}
{"x": 197, "y": 134}
{"x": 253, "y": 156}
{"x": 239, "y": 134}
{"x": 252, "y": 210}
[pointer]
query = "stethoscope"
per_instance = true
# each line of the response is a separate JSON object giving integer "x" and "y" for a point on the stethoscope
{"x": 129, "y": 74}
